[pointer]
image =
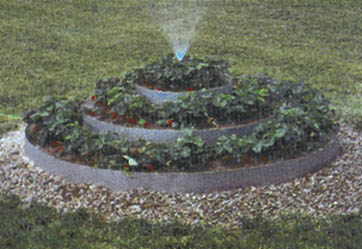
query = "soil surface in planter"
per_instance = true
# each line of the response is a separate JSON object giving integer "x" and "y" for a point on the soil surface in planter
{"x": 184, "y": 87}
{"x": 126, "y": 121}
{"x": 225, "y": 163}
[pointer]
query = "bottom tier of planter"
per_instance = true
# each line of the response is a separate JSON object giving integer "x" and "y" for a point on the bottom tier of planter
{"x": 198, "y": 182}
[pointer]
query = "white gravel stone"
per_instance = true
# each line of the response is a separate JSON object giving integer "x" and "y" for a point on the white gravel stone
{"x": 336, "y": 189}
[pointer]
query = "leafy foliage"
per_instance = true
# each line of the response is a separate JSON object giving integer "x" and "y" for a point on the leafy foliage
{"x": 174, "y": 75}
{"x": 248, "y": 101}
{"x": 189, "y": 150}
{"x": 301, "y": 121}
{"x": 53, "y": 118}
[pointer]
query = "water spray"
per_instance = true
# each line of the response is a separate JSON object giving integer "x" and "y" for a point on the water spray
{"x": 178, "y": 20}
{"x": 181, "y": 54}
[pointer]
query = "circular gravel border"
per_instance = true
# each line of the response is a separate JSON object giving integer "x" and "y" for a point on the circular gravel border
{"x": 199, "y": 182}
{"x": 161, "y": 97}
{"x": 168, "y": 136}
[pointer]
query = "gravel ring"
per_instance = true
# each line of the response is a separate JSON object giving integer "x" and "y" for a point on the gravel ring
{"x": 335, "y": 189}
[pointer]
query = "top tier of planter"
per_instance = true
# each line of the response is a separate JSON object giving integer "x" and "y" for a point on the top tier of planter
{"x": 160, "y": 97}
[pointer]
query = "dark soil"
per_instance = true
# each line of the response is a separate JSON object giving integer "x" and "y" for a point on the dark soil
{"x": 184, "y": 87}
{"x": 125, "y": 122}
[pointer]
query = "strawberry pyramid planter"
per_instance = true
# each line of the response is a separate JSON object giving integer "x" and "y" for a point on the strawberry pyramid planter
{"x": 256, "y": 132}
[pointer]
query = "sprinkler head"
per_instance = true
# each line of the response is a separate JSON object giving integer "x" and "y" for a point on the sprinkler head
{"x": 180, "y": 54}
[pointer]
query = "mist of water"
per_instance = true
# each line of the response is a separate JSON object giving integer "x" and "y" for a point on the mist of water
{"x": 178, "y": 20}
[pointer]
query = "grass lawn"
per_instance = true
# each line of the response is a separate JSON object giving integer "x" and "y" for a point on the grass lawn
{"x": 61, "y": 48}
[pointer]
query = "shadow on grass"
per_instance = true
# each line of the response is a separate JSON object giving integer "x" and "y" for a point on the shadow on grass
{"x": 37, "y": 226}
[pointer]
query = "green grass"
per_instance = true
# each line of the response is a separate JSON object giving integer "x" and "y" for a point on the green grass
{"x": 37, "y": 226}
{"x": 61, "y": 48}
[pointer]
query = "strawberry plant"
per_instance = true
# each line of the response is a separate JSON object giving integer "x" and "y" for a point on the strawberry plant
{"x": 53, "y": 119}
{"x": 249, "y": 101}
{"x": 299, "y": 121}
{"x": 192, "y": 73}
{"x": 189, "y": 150}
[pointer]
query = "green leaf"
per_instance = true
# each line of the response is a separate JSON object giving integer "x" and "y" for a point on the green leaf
{"x": 141, "y": 121}
{"x": 228, "y": 148}
{"x": 186, "y": 152}
{"x": 131, "y": 161}
{"x": 114, "y": 90}
{"x": 187, "y": 132}
{"x": 269, "y": 142}
{"x": 123, "y": 74}
{"x": 161, "y": 122}
{"x": 50, "y": 108}
{"x": 69, "y": 137}
{"x": 115, "y": 98}
{"x": 48, "y": 99}
{"x": 44, "y": 114}
{"x": 198, "y": 141}
{"x": 280, "y": 132}
{"x": 257, "y": 148}
{"x": 201, "y": 65}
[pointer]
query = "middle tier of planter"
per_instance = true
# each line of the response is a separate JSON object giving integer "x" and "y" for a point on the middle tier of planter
{"x": 167, "y": 136}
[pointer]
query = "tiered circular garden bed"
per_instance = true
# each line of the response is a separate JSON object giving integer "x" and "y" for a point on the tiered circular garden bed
{"x": 256, "y": 131}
